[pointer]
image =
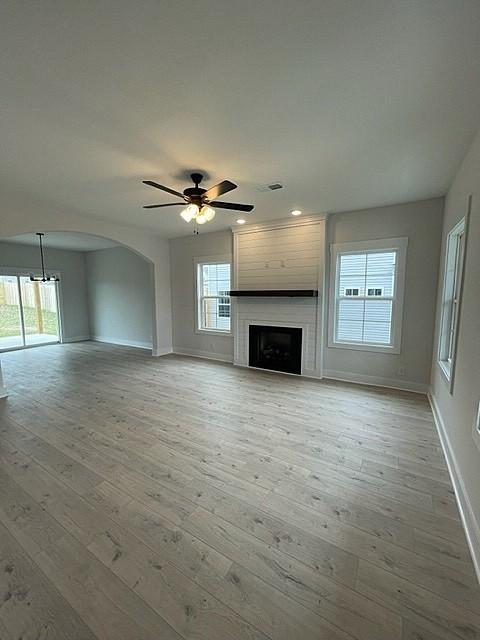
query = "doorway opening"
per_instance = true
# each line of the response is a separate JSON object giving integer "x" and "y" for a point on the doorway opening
{"x": 28, "y": 312}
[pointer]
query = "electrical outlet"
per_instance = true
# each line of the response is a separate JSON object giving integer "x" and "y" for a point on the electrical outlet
{"x": 402, "y": 372}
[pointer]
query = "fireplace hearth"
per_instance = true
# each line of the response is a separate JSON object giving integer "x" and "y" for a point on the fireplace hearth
{"x": 275, "y": 348}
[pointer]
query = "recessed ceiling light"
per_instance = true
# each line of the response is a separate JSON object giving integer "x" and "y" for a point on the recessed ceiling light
{"x": 241, "y": 221}
{"x": 296, "y": 212}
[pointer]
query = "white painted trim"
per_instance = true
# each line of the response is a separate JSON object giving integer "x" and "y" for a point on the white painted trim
{"x": 161, "y": 351}
{"x": 123, "y": 343}
{"x": 400, "y": 246}
{"x": 376, "y": 381}
{"x": 467, "y": 514}
{"x": 76, "y": 339}
{"x": 207, "y": 355}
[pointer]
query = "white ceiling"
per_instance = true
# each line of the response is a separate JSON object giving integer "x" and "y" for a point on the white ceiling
{"x": 63, "y": 240}
{"x": 350, "y": 104}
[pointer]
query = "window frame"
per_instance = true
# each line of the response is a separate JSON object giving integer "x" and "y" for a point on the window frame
{"x": 399, "y": 245}
{"x": 198, "y": 262}
{"x": 450, "y": 319}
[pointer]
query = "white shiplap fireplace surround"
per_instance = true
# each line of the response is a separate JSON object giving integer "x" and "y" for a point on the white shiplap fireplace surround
{"x": 287, "y": 254}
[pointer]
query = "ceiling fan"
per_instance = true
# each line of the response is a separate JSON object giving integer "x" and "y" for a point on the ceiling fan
{"x": 199, "y": 201}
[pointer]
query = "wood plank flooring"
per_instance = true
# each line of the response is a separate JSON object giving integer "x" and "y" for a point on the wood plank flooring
{"x": 145, "y": 498}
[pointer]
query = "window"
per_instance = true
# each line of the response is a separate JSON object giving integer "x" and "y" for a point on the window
{"x": 213, "y": 299}
{"x": 452, "y": 289}
{"x": 366, "y": 293}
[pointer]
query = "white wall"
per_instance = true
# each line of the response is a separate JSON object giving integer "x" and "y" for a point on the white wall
{"x": 183, "y": 252}
{"x": 73, "y": 286}
{"x": 456, "y": 411}
{"x": 120, "y": 297}
{"x": 421, "y": 222}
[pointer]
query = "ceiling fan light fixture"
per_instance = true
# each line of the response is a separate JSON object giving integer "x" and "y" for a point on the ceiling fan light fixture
{"x": 296, "y": 212}
{"x": 208, "y": 212}
{"x": 196, "y": 201}
{"x": 190, "y": 212}
{"x": 241, "y": 221}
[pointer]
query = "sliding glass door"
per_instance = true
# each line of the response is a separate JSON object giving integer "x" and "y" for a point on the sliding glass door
{"x": 11, "y": 331}
{"x": 28, "y": 312}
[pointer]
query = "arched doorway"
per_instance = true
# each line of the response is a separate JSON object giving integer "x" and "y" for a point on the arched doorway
{"x": 105, "y": 291}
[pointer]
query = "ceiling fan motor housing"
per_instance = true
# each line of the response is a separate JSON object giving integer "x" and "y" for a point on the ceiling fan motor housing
{"x": 194, "y": 194}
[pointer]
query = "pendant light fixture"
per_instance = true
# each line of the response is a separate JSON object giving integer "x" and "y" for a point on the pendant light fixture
{"x": 45, "y": 277}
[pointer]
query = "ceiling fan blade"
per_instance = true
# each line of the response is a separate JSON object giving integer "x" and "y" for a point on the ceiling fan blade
{"x": 219, "y": 189}
{"x": 170, "y": 204}
{"x": 232, "y": 205}
{"x": 160, "y": 186}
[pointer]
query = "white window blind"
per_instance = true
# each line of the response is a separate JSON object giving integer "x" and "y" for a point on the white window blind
{"x": 213, "y": 296}
{"x": 367, "y": 298}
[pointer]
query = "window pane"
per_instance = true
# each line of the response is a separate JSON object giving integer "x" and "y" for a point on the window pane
{"x": 368, "y": 275}
{"x": 214, "y": 303}
{"x": 350, "y": 320}
{"x": 10, "y": 322}
{"x": 39, "y": 300}
{"x": 380, "y": 272}
{"x": 451, "y": 295}
{"x": 352, "y": 272}
{"x": 378, "y": 320}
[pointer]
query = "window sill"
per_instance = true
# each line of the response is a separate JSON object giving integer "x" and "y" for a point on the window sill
{"x": 214, "y": 332}
{"x": 446, "y": 370}
{"x": 375, "y": 348}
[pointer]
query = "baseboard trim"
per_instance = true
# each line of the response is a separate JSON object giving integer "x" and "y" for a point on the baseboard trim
{"x": 161, "y": 351}
{"x": 376, "y": 381}
{"x": 76, "y": 339}
{"x": 467, "y": 514}
{"x": 122, "y": 343}
{"x": 207, "y": 355}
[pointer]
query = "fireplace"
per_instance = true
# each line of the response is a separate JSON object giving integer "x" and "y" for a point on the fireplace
{"x": 276, "y": 348}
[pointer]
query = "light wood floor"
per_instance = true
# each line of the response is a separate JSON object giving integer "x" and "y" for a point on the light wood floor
{"x": 160, "y": 498}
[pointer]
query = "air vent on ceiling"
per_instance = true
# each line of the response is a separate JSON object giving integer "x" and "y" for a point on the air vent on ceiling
{"x": 269, "y": 187}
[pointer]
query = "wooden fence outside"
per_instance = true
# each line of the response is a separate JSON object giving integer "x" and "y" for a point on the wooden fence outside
{"x": 48, "y": 298}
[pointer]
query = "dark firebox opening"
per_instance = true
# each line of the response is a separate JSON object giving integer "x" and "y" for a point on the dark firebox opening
{"x": 276, "y": 348}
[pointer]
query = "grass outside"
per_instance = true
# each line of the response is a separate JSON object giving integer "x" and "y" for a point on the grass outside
{"x": 10, "y": 321}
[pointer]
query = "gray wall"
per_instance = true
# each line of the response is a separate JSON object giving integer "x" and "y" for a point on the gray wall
{"x": 120, "y": 297}
{"x": 183, "y": 251}
{"x": 458, "y": 409}
{"x": 421, "y": 222}
{"x": 73, "y": 288}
